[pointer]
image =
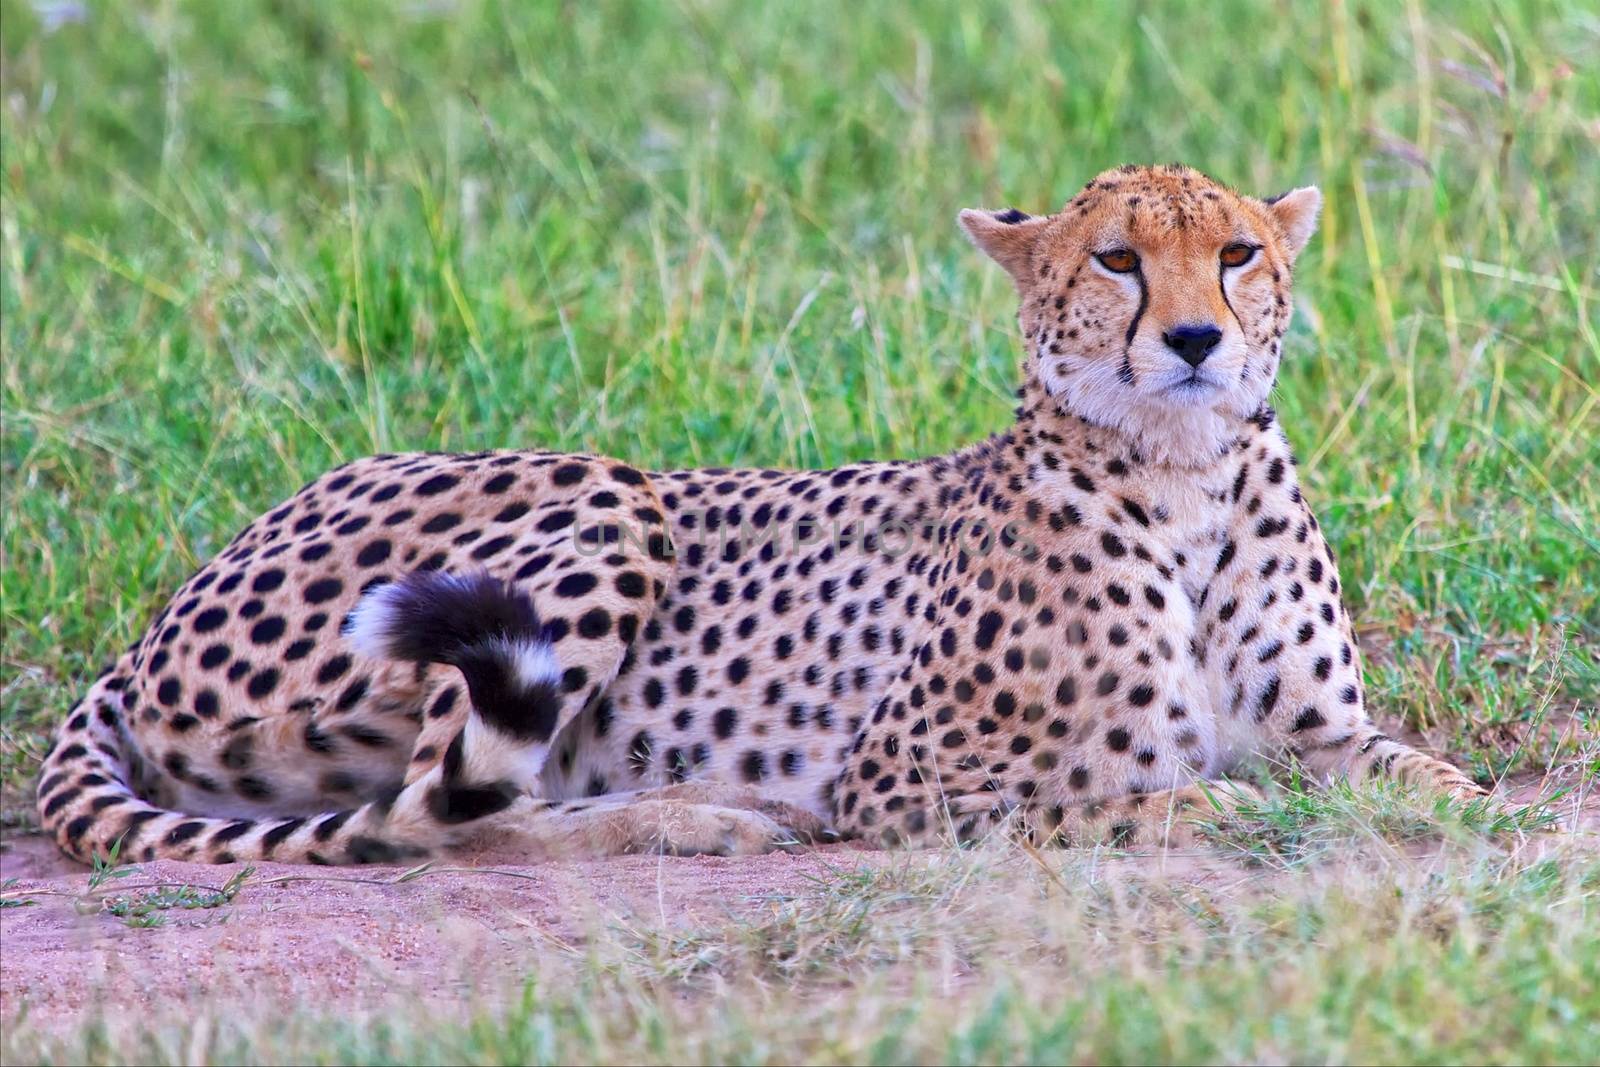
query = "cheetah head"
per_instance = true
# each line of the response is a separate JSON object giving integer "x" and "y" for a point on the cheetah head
{"x": 1155, "y": 302}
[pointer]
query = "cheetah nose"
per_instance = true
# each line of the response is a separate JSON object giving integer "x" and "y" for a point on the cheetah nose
{"x": 1193, "y": 343}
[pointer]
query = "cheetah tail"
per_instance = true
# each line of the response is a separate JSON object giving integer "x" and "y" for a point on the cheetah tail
{"x": 89, "y": 798}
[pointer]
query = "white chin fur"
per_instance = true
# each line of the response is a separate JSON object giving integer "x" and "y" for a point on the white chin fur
{"x": 1186, "y": 428}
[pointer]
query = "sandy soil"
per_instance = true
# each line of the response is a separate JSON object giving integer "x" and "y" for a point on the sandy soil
{"x": 353, "y": 939}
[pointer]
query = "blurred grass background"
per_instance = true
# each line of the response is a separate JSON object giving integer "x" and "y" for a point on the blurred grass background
{"x": 245, "y": 241}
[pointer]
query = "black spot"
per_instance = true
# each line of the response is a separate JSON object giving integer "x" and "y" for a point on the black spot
{"x": 267, "y": 581}
{"x": 988, "y": 625}
{"x": 253, "y": 788}
{"x": 570, "y": 474}
{"x": 1268, "y": 699}
{"x": 654, "y": 692}
{"x": 364, "y": 849}
{"x": 238, "y": 753}
{"x": 512, "y": 512}
{"x": 317, "y": 739}
{"x": 323, "y": 589}
{"x": 333, "y": 669}
{"x": 205, "y": 703}
{"x": 1308, "y": 719}
{"x": 445, "y": 520}
{"x": 639, "y": 750}
{"x": 443, "y": 703}
{"x": 463, "y": 803}
{"x": 575, "y": 585}
{"x": 437, "y": 484}
{"x": 267, "y": 630}
{"x": 594, "y": 623}
{"x": 209, "y": 620}
{"x": 493, "y": 547}
{"x": 556, "y": 520}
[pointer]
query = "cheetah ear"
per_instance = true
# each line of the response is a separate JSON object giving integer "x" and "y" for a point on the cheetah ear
{"x": 1296, "y": 211}
{"x": 1007, "y": 237}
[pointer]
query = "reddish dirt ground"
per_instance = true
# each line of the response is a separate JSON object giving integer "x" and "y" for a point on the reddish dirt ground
{"x": 353, "y": 939}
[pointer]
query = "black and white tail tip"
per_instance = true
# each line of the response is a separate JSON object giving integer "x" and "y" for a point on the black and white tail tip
{"x": 485, "y": 627}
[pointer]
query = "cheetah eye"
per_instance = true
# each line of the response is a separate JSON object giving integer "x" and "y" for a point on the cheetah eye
{"x": 1118, "y": 260}
{"x": 1237, "y": 255}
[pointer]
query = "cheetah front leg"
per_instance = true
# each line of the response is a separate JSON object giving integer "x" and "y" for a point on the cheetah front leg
{"x": 1277, "y": 647}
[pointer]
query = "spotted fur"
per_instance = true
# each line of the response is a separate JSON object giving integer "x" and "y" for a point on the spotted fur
{"x": 1069, "y": 627}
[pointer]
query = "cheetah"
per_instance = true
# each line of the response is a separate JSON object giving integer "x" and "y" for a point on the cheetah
{"x": 1073, "y": 630}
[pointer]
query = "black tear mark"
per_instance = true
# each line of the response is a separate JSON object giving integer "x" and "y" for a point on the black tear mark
{"x": 1222, "y": 274}
{"x": 1011, "y": 216}
{"x": 1144, "y": 300}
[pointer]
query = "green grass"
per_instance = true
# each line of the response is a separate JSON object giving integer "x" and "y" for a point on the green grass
{"x": 244, "y": 242}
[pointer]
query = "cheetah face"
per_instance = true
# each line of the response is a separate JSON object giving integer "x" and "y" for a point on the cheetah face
{"x": 1156, "y": 301}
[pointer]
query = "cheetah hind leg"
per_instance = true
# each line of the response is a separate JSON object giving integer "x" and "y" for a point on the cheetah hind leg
{"x": 1169, "y": 818}
{"x": 490, "y": 632}
{"x": 688, "y": 819}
